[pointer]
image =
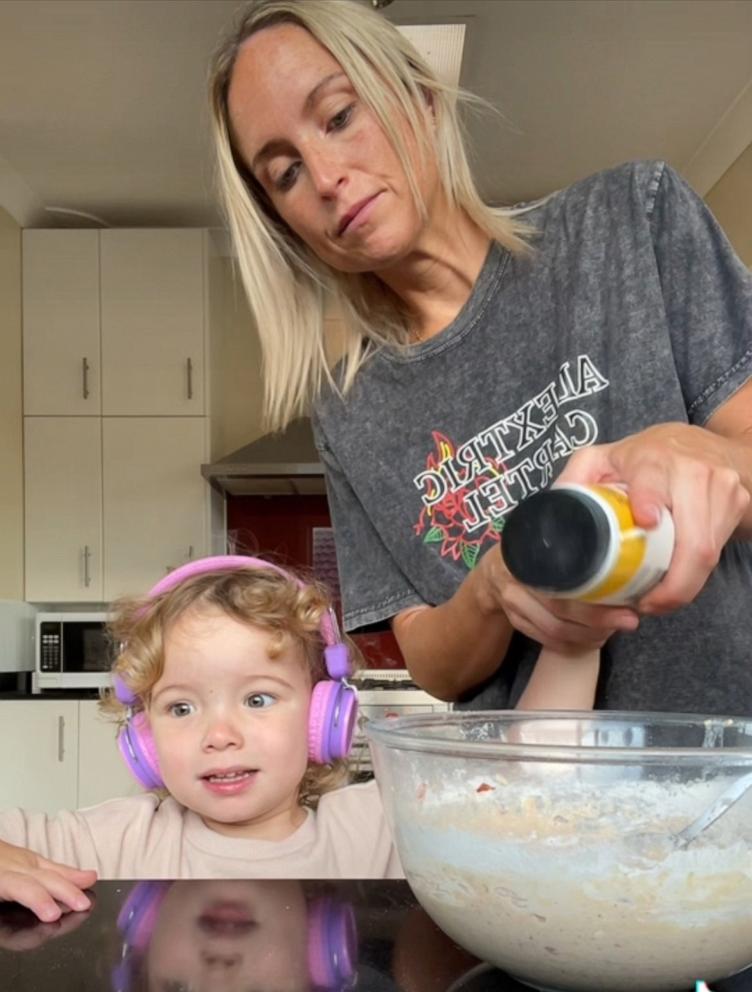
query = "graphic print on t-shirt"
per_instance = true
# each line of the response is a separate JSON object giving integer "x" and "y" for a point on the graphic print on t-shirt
{"x": 468, "y": 489}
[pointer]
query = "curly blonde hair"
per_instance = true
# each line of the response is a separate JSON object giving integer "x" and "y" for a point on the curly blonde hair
{"x": 262, "y": 596}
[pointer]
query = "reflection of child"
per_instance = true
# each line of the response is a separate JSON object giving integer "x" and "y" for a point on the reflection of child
{"x": 230, "y": 680}
{"x": 266, "y": 935}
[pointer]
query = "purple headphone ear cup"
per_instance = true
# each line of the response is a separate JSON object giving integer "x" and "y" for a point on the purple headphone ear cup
{"x": 332, "y": 944}
{"x": 137, "y": 748}
{"x": 331, "y": 721}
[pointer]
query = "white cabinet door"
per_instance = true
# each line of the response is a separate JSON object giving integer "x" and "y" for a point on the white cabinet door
{"x": 39, "y": 744}
{"x": 155, "y": 499}
{"x": 61, "y": 322}
{"x": 102, "y": 773}
{"x": 153, "y": 320}
{"x": 63, "y": 499}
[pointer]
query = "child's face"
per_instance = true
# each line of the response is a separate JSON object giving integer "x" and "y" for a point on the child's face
{"x": 230, "y": 725}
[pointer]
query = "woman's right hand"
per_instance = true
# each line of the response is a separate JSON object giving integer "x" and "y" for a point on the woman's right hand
{"x": 562, "y": 625}
{"x": 46, "y": 888}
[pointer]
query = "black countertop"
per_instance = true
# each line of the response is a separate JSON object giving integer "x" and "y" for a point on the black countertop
{"x": 72, "y": 694}
{"x": 246, "y": 936}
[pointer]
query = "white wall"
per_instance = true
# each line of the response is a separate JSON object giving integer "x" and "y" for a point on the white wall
{"x": 731, "y": 202}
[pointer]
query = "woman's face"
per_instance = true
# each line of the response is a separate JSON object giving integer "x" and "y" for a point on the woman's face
{"x": 321, "y": 156}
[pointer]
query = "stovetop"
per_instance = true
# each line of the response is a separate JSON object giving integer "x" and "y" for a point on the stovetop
{"x": 383, "y": 678}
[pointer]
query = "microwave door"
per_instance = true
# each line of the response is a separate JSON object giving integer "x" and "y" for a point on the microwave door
{"x": 86, "y": 647}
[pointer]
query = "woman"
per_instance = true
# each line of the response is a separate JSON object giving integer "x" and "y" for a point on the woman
{"x": 608, "y": 338}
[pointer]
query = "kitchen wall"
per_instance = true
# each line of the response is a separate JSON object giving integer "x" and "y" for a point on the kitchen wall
{"x": 235, "y": 359}
{"x": 236, "y": 387}
{"x": 11, "y": 422}
{"x": 731, "y": 201}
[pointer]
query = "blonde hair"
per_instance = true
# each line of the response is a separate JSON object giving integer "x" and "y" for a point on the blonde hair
{"x": 284, "y": 280}
{"x": 262, "y": 597}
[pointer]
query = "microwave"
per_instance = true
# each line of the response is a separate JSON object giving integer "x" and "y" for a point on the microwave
{"x": 72, "y": 651}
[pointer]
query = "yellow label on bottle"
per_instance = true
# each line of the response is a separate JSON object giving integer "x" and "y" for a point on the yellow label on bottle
{"x": 631, "y": 546}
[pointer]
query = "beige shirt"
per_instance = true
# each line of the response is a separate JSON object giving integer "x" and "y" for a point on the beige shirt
{"x": 141, "y": 837}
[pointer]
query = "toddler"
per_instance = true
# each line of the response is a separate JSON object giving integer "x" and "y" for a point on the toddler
{"x": 230, "y": 688}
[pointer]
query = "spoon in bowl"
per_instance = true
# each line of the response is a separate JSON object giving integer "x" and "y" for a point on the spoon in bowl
{"x": 651, "y": 846}
{"x": 716, "y": 809}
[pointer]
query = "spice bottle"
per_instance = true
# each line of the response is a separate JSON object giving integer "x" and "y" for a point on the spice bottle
{"x": 581, "y": 542}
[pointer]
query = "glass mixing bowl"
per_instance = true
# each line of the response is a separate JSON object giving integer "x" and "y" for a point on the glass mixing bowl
{"x": 545, "y": 842}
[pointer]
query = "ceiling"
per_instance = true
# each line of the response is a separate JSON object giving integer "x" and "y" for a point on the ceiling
{"x": 102, "y": 105}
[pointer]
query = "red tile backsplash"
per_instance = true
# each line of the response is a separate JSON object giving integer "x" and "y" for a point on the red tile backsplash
{"x": 288, "y": 530}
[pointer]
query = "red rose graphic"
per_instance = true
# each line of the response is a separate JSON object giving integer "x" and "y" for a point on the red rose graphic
{"x": 444, "y": 522}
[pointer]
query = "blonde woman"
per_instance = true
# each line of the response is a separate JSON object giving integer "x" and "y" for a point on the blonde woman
{"x": 609, "y": 337}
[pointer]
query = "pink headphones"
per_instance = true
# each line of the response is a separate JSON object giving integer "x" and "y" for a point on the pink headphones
{"x": 332, "y": 936}
{"x": 334, "y": 704}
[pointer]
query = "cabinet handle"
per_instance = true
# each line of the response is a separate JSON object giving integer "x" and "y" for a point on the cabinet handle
{"x": 85, "y": 371}
{"x": 87, "y": 555}
{"x": 189, "y": 370}
{"x": 60, "y": 738}
{"x": 171, "y": 568}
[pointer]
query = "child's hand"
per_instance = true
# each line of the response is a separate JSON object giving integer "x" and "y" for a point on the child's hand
{"x": 46, "y": 888}
{"x": 562, "y": 681}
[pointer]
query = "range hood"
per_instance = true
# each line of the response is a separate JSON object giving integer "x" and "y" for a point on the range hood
{"x": 286, "y": 463}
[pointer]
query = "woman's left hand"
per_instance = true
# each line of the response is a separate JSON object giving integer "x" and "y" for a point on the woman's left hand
{"x": 691, "y": 471}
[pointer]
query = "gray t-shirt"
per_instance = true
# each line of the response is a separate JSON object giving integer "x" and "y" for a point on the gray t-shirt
{"x": 632, "y": 310}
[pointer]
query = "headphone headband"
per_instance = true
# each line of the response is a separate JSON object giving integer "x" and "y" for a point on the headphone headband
{"x": 329, "y": 625}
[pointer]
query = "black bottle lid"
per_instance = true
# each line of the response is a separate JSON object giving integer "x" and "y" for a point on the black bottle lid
{"x": 555, "y": 540}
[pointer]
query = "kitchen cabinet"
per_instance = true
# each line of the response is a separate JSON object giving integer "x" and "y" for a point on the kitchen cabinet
{"x": 39, "y": 743}
{"x": 112, "y": 504}
{"x": 153, "y": 322}
{"x": 114, "y": 322}
{"x": 61, "y": 339}
{"x": 102, "y": 772}
{"x": 63, "y": 506}
{"x": 155, "y": 499}
{"x": 70, "y": 756}
{"x": 114, "y": 340}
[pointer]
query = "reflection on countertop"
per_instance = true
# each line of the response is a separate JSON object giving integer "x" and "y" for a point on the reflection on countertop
{"x": 236, "y": 935}
{"x": 17, "y": 685}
